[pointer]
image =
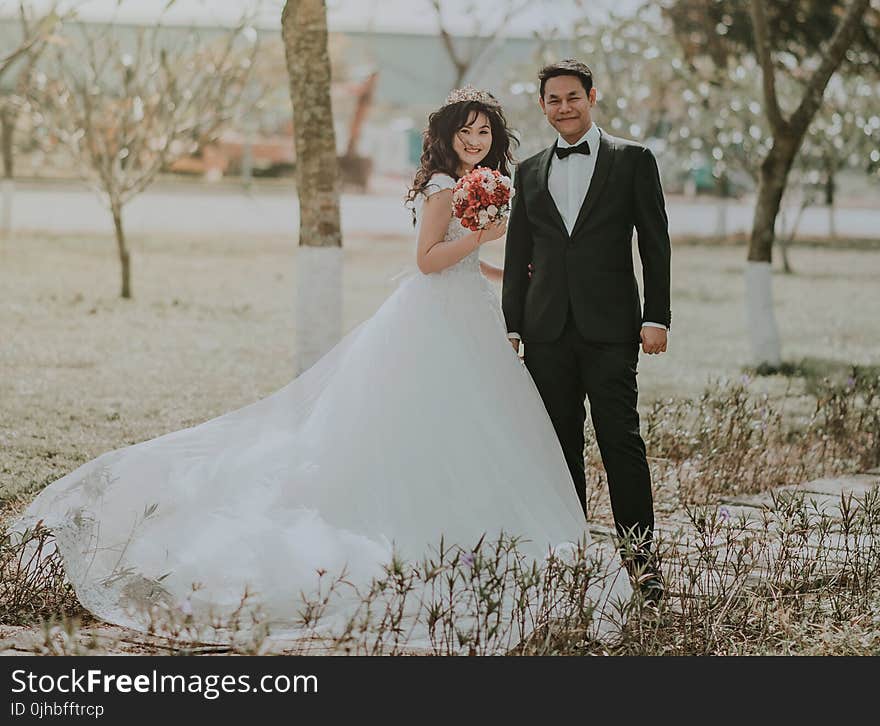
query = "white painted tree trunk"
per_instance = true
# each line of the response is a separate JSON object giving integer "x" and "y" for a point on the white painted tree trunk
{"x": 760, "y": 317}
{"x": 319, "y": 260}
{"x": 318, "y": 303}
{"x": 7, "y": 190}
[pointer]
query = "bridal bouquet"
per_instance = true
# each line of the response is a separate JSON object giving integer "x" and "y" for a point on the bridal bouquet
{"x": 481, "y": 197}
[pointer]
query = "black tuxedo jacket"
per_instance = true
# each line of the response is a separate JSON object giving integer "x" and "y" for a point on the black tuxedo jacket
{"x": 592, "y": 269}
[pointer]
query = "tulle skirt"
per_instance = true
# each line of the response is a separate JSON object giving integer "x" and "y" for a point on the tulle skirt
{"x": 420, "y": 426}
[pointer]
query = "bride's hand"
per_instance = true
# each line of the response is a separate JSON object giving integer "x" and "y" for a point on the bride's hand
{"x": 494, "y": 230}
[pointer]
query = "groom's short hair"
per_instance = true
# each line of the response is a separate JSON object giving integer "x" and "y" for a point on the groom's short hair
{"x": 567, "y": 67}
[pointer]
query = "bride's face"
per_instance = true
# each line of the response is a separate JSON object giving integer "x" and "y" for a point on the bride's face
{"x": 473, "y": 141}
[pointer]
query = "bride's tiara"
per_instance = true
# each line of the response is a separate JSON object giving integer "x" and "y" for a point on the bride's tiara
{"x": 469, "y": 93}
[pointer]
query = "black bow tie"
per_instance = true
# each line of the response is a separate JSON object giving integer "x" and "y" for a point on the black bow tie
{"x": 581, "y": 148}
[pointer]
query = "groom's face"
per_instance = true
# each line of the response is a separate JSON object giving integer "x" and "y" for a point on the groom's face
{"x": 566, "y": 104}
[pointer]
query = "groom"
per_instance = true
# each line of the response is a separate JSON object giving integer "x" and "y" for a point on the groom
{"x": 570, "y": 293}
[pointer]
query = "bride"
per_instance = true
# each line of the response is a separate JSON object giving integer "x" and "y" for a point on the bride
{"x": 421, "y": 424}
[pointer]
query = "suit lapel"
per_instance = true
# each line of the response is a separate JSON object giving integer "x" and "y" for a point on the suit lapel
{"x": 544, "y": 189}
{"x": 600, "y": 174}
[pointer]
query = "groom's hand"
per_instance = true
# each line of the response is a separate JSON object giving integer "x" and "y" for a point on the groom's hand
{"x": 653, "y": 340}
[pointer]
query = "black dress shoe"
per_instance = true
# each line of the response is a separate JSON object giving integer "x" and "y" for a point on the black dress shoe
{"x": 651, "y": 588}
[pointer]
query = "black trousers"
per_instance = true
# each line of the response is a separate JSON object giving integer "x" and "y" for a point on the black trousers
{"x": 571, "y": 368}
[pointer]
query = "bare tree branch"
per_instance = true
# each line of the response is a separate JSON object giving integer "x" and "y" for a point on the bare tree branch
{"x": 831, "y": 60}
{"x": 459, "y": 64}
{"x": 33, "y": 35}
{"x": 765, "y": 59}
{"x": 463, "y": 63}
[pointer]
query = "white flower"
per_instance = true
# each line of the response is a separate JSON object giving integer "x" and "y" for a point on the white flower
{"x": 483, "y": 217}
{"x": 492, "y": 210}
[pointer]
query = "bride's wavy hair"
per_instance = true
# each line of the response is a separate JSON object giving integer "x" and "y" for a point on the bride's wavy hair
{"x": 438, "y": 156}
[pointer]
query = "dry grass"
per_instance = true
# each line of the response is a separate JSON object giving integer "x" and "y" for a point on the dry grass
{"x": 798, "y": 578}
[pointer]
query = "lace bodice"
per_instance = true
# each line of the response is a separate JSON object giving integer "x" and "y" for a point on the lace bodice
{"x": 454, "y": 231}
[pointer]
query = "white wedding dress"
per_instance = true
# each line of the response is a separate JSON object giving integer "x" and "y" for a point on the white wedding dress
{"x": 421, "y": 423}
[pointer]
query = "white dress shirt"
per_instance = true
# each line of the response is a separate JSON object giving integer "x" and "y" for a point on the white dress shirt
{"x": 570, "y": 177}
{"x": 568, "y": 183}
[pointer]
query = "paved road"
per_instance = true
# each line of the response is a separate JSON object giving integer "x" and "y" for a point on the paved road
{"x": 221, "y": 209}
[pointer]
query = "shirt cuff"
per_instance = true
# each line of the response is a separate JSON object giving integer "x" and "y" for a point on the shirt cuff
{"x": 513, "y": 336}
{"x": 653, "y": 325}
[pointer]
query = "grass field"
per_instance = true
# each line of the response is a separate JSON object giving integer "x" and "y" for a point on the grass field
{"x": 210, "y": 329}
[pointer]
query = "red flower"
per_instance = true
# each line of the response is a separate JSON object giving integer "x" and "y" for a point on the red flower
{"x": 478, "y": 198}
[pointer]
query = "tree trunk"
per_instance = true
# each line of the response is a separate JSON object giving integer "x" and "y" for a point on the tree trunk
{"x": 787, "y": 236}
{"x": 7, "y": 193}
{"x": 124, "y": 257}
{"x": 7, "y": 128}
{"x": 771, "y": 186}
{"x": 723, "y": 198}
{"x": 721, "y": 219}
{"x": 760, "y": 315}
{"x": 319, "y": 261}
{"x": 788, "y": 134}
{"x": 786, "y": 263}
{"x": 460, "y": 71}
{"x": 830, "y": 188}
{"x": 247, "y": 159}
